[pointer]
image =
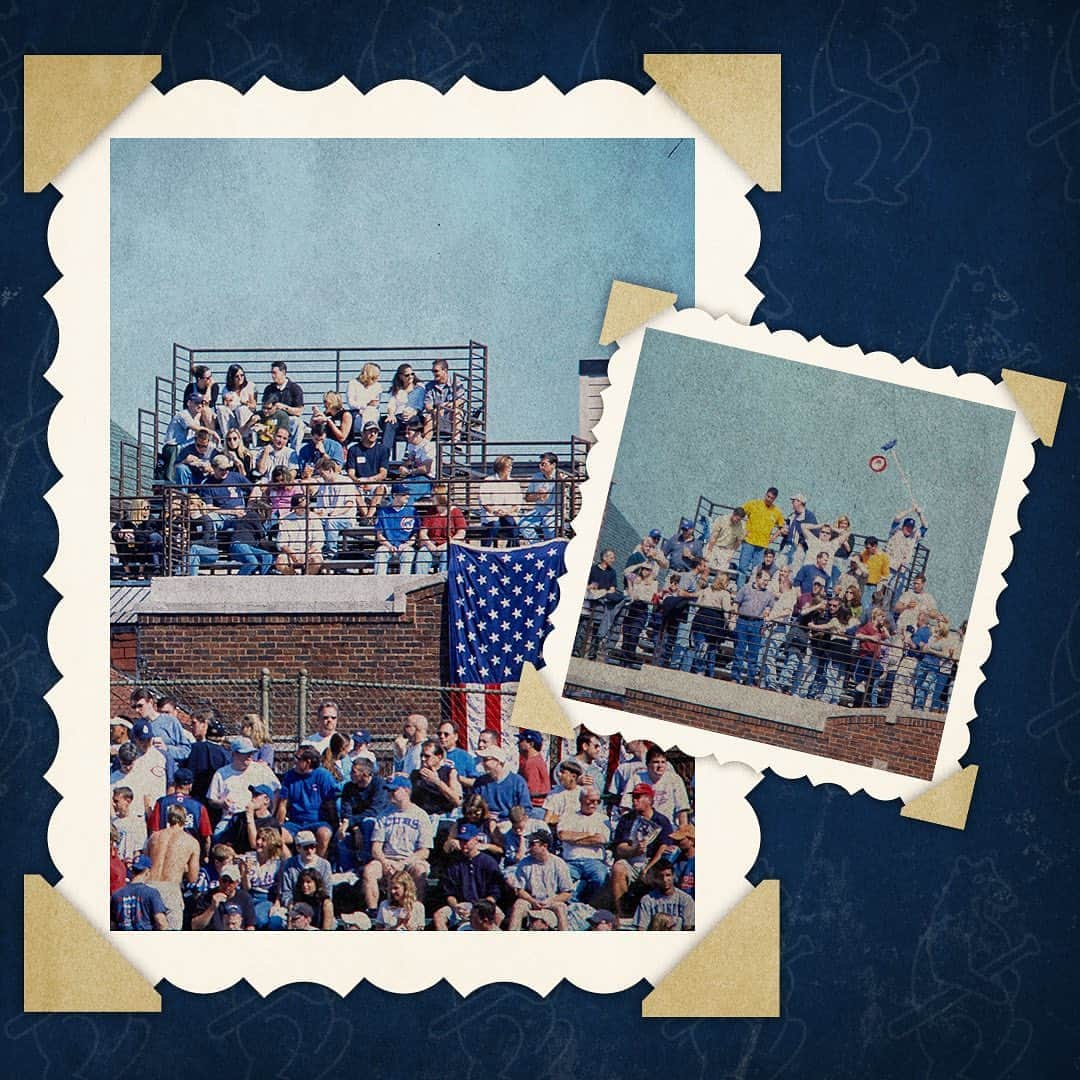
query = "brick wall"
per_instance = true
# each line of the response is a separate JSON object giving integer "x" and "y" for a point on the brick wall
{"x": 122, "y": 649}
{"x": 225, "y": 654}
{"x": 909, "y": 746}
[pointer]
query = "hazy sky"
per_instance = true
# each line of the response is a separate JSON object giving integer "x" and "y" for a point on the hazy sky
{"x": 707, "y": 419}
{"x": 514, "y": 243}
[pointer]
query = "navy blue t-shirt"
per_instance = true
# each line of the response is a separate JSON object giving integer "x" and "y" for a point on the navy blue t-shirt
{"x": 228, "y": 493}
{"x": 367, "y": 460}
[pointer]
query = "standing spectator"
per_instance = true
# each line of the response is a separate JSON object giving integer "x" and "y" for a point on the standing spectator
{"x": 763, "y": 524}
{"x": 914, "y": 602}
{"x": 822, "y": 539}
{"x": 254, "y": 727}
{"x": 808, "y": 608}
{"x": 500, "y": 503}
{"x": 130, "y": 827}
{"x": 400, "y": 841}
{"x": 640, "y": 838}
{"x": 726, "y": 536}
{"x": 585, "y": 835}
{"x": 875, "y": 565}
{"x": 813, "y": 571}
{"x": 138, "y": 906}
{"x": 929, "y": 680}
{"x": 196, "y": 819}
{"x": 288, "y": 397}
{"x": 646, "y": 553}
{"x": 665, "y": 899}
{"x": 207, "y": 755}
{"x": 830, "y": 648}
{"x": 168, "y": 734}
{"x": 174, "y": 858}
{"x": 363, "y": 799}
{"x": 711, "y": 626}
{"x": 589, "y": 748}
{"x": 542, "y": 882}
{"x": 325, "y": 725}
{"x": 674, "y": 607}
{"x": 901, "y": 544}
{"x": 753, "y": 602}
{"x": 641, "y": 586}
{"x": 793, "y": 542}
{"x": 395, "y": 528}
{"x": 603, "y": 594}
{"x": 683, "y": 863}
{"x": 870, "y": 638}
{"x": 683, "y": 549}
{"x": 444, "y": 401}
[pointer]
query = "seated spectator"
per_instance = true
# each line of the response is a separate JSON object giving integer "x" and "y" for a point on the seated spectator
{"x": 302, "y": 916}
{"x": 195, "y": 413}
{"x": 241, "y": 832}
{"x": 137, "y": 905}
{"x": 401, "y": 910}
{"x": 237, "y": 382}
{"x": 532, "y": 766}
{"x": 444, "y": 524}
{"x": 640, "y": 839}
{"x": 514, "y": 834}
{"x": 461, "y": 759}
{"x": 319, "y": 446}
{"x": 236, "y": 420}
{"x": 248, "y": 543}
{"x": 335, "y": 503}
{"x": 541, "y": 881}
{"x": 310, "y": 890}
{"x": 260, "y": 872}
{"x": 230, "y": 788}
{"x": 305, "y": 858}
{"x": 300, "y": 539}
{"x": 474, "y": 811}
{"x": 601, "y": 919}
{"x": 564, "y": 799}
{"x": 365, "y": 394}
{"x": 500, "y": 501}
{"x": 418, "y": 467}
{"x": 368, "y": 465}
{"x": 395, "y": 529}
{"x": 669, "y": 791}
{"x": 118, "y": 869}
{"x": 277, "y": 453}
{"x": 400, "y": 841}
{"x": 484, "y": 916}
{"x": 193, "y": 458}
{"x": 335, "y": 760}
{"x": 406, "y": 403}
{"x": 288, "y": 397}
{"x": 444, "y": 403}
{"x": 473, "y": 876}
{"x": 210, "y": 908}
{"x": 407, "y": 745}
{"x": 500, "y": 787}
{"x": 435, "y": 786}
{"x": 664, "y": 899}
{"x": 585, "y": 835}
{"x": 541, "y": 919}
{"x": 276, "y": 494}
{"x": 337, "y": 418}
{"x": 593, "y": 773}
{"x": 544, "y": 495}
{"x": 304, "y": 790}
{"x": 683, "y": 862}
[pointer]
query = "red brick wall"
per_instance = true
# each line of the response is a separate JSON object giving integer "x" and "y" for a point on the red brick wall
{"x": 225, "y": 654}
{"x": 122, "y": 650}
{"x": 909, "y": 746}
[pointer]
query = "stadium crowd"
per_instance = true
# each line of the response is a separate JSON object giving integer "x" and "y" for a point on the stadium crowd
{"x": 208, "y": 834}
{"x": 250, "y": 482}
{"x": 781, "y": 602}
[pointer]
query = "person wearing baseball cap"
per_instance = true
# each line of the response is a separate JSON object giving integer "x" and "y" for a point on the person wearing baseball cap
{"x": 301, "y": 915}
{"x": 500, "y": 787}
{"x": 532, "y": 766}
{"x": 683, "y": 861}
{"x": 368, "y": 464}
{"x": 540, "y": 881}
{"x": 542, "y": 919}
{"x": 472, "y": 877}
{"x": 601, "y": 919}
{"x": 209, "y": 911}
{"x": 137, "y": 905}
{"x": 230, "y": 788}
{"x": 683, "y": 551}
{"x": 648, "y": 552}
{"x": 792, "y": 537}
{"x": 145, "y": 773}
{"x": 395, "y": 532}
{"x": 197, "y": 820}
{"x": 401, "y": 841}
{"x": 306, "y": 857}
{"x": 639, "y": 841}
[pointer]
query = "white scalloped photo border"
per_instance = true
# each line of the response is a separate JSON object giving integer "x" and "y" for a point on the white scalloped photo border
{"x": 726, "y": 244}
{"x": 793, "y": 764}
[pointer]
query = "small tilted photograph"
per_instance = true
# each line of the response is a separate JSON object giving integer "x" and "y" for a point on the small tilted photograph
{"x": 798, "y": 566}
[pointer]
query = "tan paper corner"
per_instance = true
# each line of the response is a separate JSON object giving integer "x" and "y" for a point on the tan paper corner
{"x": 734, "y": 972}
{"x": 535, "y": 706}
{"x": 946, "y": 803}
{"x": 629, "y": 306}
{"x": 1039, "y": 399}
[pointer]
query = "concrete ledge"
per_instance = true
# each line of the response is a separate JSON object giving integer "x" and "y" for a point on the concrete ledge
{"x": 742, "y": 701}
{"x": 282, "y": 595}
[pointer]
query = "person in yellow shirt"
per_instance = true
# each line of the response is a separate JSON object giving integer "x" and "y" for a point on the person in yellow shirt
{"x": 763, "y": 524}
{"x": 875, "y": 563}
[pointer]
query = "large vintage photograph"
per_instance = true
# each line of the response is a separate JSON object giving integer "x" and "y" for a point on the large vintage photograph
{"x": 798, "y": 567}
{"x": 352, "y": 387}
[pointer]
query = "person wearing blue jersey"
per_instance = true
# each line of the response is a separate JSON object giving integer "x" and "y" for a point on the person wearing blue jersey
{"x": 500, "y": 787}
{"x": 395, "y": 529}
{"x": 137, "y": 905}
{"x": 461, "y": 759}
{"x": 305, "y": 788}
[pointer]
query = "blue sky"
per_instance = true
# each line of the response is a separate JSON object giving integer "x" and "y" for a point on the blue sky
{"x": 707, "y": 419}
{"x": 230, "y": 242}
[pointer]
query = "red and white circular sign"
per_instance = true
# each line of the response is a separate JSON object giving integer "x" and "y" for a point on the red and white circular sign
{"x": 879, "y": 463}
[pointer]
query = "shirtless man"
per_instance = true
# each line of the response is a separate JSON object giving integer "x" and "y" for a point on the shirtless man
{"x": 174, "y": 856}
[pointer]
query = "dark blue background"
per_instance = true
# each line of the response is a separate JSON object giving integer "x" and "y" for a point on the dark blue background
{"x": 878, "y": 911}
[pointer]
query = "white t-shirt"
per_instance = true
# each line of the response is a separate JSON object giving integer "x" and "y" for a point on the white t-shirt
{"x": 924, "y": 601}
{"x": 230, "y": 786}
{"x": 147, "y": 778}
{"x": 299, "y": 535}
{"x": 669, "y": 792}
{"x": 563, "y": 801}
{"x": 595, "y": 822}
{"x": 388, "y": 916}
{"x": 542, "y": 880}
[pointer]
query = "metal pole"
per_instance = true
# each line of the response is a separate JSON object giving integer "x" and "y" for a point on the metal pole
{"x": 301, "y": 705}
{"x": 903, "y": 476}
{"x": 264, "y": 698}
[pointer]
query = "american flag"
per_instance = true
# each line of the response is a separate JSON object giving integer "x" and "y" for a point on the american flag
{"x": 499, "y": 604}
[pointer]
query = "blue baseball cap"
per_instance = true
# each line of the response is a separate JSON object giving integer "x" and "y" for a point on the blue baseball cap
{"x": 141, "y": 862}
{"x": 399, "y": 489}
{"x": 399, "y": 782}
{"x": 686, "y": 523}
{"x": 656, "y": 534}
{"x": 468, "y": 831}
{"x": 529, "y": 735}
{"x": 261, "y": 789}
{"x": 361, "y": 736}
{"x": 183, "y": 776}
{"x": 141, "y": 729}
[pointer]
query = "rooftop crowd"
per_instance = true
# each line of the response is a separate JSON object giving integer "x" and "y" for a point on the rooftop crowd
{"x": 267, "y": 486}
{"x": 209, "y": 834}
{"x": 781, "y": 602}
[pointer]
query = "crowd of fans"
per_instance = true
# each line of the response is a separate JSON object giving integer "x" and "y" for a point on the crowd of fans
{"x": 248, "y": 481}
{"x": 207, "y": 834}
{"x": 785, "y": 603}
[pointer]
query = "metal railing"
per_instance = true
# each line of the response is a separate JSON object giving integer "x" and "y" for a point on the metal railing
{"x": 771, "y": 655}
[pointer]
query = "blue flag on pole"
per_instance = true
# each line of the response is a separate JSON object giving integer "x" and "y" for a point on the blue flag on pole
{"x": 888, "y": 446}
